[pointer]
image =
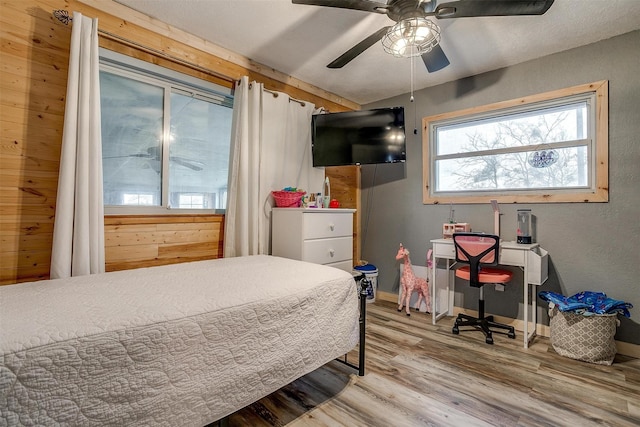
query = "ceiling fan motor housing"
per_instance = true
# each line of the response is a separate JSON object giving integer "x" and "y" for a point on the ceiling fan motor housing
{"x": 404, "y": 9}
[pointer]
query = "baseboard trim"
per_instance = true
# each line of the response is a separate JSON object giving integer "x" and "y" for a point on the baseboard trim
{"x": 624, "y": 348}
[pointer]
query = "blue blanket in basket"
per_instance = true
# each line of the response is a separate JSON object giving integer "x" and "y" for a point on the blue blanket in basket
{"x": 587, "y": 303}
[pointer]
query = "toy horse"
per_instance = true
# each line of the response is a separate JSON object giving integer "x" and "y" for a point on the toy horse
{"x": 410, "y": 283}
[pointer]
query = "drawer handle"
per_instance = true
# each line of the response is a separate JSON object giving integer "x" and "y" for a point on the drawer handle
{"x": 331, "y": 252}
{"x": 332, "y": 226}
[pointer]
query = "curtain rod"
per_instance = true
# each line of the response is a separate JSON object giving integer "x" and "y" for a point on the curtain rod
{"x": 276, "y": 94}
{"x": 64, "y": 17}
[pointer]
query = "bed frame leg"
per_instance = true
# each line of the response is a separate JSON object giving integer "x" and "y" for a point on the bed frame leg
{"x": 363, "y": 321}
{"x": 364, "y": 283}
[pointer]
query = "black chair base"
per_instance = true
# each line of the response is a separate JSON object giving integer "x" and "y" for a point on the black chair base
{"x": 483, "y": 324}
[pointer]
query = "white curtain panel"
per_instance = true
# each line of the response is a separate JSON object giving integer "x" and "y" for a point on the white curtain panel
{"x": 271, "y": 149}
{"x": 78, "y": 233}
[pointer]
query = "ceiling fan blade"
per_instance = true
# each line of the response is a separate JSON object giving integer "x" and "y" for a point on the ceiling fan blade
{"x": 469, "y": 8}
{"x": 365, "y": 44}
{"x": 191, "y": 164}
{"x": 435, "y": 59}
{"x": 366, "y": 5}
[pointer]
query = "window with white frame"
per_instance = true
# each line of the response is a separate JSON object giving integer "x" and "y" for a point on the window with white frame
{"x": 165, "y": 138}
{"x": 545, "y": 148}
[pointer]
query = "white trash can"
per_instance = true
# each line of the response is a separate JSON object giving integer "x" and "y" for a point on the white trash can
{"x": 371, "y": 273}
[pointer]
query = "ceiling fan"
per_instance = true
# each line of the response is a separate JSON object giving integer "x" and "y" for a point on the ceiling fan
{"x": 154, "y": 154}
{"x": 413, "y": 34}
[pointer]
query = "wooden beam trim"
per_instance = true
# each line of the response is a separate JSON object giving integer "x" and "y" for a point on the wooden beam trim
{"x": 159, "y": 27}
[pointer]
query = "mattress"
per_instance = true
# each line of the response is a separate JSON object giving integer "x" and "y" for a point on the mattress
{"x": 185, "y": 344}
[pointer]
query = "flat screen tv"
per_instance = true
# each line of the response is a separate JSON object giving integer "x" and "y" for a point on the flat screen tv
{"x": 359, "y": 137}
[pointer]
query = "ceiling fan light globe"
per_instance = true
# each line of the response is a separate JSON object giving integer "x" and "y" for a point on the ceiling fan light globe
{"x": 421, "y": 35}
{"x": 411, "y": 37}
{"x": 399, "y": 47}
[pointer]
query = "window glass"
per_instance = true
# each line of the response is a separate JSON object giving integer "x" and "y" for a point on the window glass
{"x": 132, "y": 117}
{"x": 191, "y": 201}
{"x": 531, "y": 128}
{"x": 165, "y": 138}
{"x": 486, "y": 154}
{"x": 511, "y": 171}
{"x": 138, "y": 199}
{"x": 198, "y": 150}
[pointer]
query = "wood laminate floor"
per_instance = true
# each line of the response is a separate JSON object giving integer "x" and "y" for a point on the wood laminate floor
{"x": 418, "y": 374}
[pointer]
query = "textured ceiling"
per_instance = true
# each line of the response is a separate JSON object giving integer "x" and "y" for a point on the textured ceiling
{"x": 301, "y": 40}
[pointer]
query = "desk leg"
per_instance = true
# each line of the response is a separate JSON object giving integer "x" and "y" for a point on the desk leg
{"x": 525, "y": 286}
{"x": 534, "y": 309}
{"x": 433, "y": 290}
{"x": 531, "y": 291}
{"x": 449, "y": 310}
{"x": 451, "y": 288}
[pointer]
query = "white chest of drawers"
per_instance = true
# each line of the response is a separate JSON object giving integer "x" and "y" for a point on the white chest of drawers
{"x": 321, "y": 236}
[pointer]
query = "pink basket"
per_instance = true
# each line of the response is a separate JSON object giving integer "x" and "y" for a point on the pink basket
{"x": 288, "y": 199}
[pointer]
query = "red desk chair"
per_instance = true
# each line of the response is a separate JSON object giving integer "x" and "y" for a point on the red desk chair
{"x": 477, "y": 251}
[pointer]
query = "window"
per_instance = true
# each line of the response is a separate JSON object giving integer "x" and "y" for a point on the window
{"x": 137, "y": 199}
{"x": 551, "y": 147}
{"x": 192, "y": 201}
{"x": 165, "y": 138}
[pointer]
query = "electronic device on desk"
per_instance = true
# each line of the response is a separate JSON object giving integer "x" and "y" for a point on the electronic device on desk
{"x": 358, "y": 137}
{"x": 457, "y": 227}
{"x": 524, "y": 230}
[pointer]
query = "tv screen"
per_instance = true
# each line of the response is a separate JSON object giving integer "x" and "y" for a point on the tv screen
{"x": 359, "y": 137}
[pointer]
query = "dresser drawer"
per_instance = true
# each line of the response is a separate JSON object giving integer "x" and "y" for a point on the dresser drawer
{"x": 326, "y": 225}
{"x": 327, "y": 251}
{"x": 343, "y": 265}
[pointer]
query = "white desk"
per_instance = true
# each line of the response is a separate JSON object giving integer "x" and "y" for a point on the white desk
{"x": 531, "y": 259}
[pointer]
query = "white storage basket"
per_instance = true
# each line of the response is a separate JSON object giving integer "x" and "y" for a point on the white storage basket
{"x": 586, "y": 338}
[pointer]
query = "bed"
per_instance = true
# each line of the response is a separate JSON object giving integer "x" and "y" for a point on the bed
{"x": 185, "y": 344}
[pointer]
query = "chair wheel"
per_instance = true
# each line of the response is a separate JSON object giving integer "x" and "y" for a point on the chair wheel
{"x": 455, "y": 330}
{"x": 489, "y": 340}
{"x": 511, "y": 335}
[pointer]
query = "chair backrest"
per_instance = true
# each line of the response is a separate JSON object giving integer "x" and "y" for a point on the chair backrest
{"x": 476, "y": 249}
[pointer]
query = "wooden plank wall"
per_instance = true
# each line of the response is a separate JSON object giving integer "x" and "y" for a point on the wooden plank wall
{"x": 34, "y": 55}
{"x": 345, "y": 187}
{"x": 146, "y": 241}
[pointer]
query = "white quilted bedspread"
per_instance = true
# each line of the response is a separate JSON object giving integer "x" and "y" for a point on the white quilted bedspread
{"x": 180, "y": 345}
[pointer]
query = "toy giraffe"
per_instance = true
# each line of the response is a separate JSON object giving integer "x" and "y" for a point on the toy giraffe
{"x": 411, "y": 283}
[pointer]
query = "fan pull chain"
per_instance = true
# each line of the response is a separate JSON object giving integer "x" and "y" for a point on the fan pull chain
{"x": 415, "y": 108}
{"x": 411, "y": 58}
